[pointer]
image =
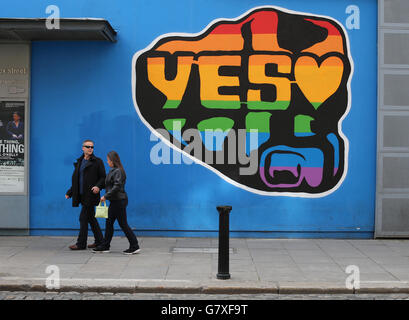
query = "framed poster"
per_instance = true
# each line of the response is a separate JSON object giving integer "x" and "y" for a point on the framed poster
{"x": 12, "y": 146}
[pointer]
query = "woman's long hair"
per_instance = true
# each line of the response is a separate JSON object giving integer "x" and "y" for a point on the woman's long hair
{"x": 114, "y": 157}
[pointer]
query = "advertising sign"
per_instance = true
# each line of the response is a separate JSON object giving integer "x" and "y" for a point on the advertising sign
{"x": 12, "y": 146}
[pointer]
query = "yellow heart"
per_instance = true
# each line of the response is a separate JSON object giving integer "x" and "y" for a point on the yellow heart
{"x": 318, "y": 82}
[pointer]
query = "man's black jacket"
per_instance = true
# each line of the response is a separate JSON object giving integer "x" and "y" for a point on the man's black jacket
{"x": 94, "y": 176}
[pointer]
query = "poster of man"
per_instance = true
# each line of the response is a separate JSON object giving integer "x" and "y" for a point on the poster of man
{"x": 12, "y": 146}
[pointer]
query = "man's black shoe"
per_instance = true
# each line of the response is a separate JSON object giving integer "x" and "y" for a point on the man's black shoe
{"x": 75, "y": 247}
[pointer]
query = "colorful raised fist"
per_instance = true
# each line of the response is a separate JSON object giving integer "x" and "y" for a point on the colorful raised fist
{"x": 259, "y": 100}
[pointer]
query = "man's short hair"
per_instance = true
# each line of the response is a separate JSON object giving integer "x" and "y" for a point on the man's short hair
{"x": 87, "y": 141}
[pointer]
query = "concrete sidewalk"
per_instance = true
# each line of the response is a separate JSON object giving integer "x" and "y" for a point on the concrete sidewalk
{"x": 189, "y": 265}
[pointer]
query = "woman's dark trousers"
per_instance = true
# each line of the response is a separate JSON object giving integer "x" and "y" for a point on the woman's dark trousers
{"x": 117, "y": 211}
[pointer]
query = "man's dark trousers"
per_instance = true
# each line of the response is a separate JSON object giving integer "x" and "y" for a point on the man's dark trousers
{"x": 93, "y": 176}
{"x": 87, "y": 215}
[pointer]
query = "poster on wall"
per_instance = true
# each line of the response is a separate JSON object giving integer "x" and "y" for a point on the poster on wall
{"x": 12, "y": 146}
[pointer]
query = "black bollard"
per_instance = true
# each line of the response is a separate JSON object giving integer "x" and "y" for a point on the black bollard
{"x": 223, "y": 271}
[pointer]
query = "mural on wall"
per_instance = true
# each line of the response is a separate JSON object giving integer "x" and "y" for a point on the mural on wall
{"x": 259, "y": 100}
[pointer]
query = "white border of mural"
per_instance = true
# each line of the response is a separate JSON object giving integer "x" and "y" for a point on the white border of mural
{"x": 227, "y": 179}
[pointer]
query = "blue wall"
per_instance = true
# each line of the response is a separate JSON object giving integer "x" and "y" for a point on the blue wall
{"x": 83, "y": 90}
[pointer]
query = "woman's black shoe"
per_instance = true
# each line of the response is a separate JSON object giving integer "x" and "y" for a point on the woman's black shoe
{"x": 100, "y": 249}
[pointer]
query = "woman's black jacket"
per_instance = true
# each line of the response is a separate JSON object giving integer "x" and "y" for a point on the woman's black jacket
{"x": 115, "y": 185}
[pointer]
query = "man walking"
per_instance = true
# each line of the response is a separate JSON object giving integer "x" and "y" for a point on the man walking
{"x": 87, "y": 180}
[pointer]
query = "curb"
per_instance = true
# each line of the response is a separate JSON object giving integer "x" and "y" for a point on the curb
{"x": 201, "y": 289}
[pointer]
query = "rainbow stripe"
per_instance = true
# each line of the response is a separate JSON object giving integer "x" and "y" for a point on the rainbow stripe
{"x": 175, "y": 88}
{"x": 333, "y": 43}
{"x": 303, "y": 163}
{"x": 317, "y": 83}
{"x": 210, "y": 81}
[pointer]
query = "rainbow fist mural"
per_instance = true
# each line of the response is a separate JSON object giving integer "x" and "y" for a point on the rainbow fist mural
{"x": 270, "y": 87}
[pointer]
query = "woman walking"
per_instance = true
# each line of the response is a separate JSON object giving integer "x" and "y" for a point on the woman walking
{"x": 115, "y": 193}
